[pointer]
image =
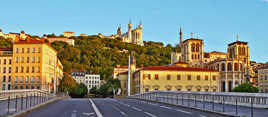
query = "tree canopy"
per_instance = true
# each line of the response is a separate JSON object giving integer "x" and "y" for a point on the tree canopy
{"x": 246, "y": 88}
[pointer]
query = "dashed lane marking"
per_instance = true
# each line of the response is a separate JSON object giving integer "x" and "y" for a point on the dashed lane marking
{"x": 183, "y": 111}
{"x": 123, "y": 113}
{"x": 150, "y": 114}
{"x": 165, "y": 107}
{"x": 202, "y": 115}
{"x": 137, "y": 109}
{"x": 95, "y": 109}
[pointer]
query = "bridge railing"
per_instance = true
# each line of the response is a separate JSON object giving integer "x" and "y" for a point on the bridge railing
{"x": 4, "y": 95}
{"x": 215, "y": 101}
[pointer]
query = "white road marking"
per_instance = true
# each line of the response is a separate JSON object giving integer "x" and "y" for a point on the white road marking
{"x": 123, "y": 113}
{"x": 202, "y": 115}
{"x": 95, "y": 109}
{"x": 183, "y": 111}
{"x": 137, "y": 109}
{"x": 165, "y": 107}
{"x": 150, "y": 114}
{"x": 88, "y": 114}
{"x": 73, "y": 115}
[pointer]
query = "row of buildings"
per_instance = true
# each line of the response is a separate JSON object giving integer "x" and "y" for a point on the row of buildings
{"x": 30, "y": 64}
{"x": 192, "y": 69}
{"x": 89, "y": 79}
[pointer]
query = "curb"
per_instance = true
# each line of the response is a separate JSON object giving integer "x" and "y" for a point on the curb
{"x": 22, "y": 113}
{"x": 204, "y": 110}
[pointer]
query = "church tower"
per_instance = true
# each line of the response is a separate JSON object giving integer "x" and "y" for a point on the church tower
{"x": 129, "y": 31}
{"x": 181, "y": 38}
{"x": 119, "y": 31}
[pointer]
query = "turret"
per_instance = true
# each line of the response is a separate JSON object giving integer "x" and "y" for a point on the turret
{"x": 119, "y": 31}
{"x": 140, "y": 25}
{"x": 129, "y": 26}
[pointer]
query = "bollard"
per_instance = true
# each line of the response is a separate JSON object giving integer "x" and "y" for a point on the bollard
{"x": 251, "y": 108}
{"x": 236, "y": 112}
{"x": 8, "y": 105}
{"x": 16, "y": 104}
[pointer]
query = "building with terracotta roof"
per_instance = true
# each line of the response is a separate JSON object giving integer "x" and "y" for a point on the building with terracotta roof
{"x": 5, "y": 68}
{"x": 34, "y": 65}
{"x": 68, "y": 34}
{"x": 263, "y": 78}
{"x": 63, "y": 39}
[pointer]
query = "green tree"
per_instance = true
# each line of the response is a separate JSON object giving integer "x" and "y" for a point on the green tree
{"x": 67, "y": 83}
{"x": 93, "y": 90}
{"x": 246, "y": 88}
{"x": 79, "y": 91}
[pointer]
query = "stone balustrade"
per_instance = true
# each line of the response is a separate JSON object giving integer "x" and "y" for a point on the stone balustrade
{"x": 4, "y": 95}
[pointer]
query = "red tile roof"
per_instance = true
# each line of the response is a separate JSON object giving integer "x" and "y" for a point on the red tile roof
{"x": 176, "y": 68}
{"x": 5, "y": 49}
{"x": 29, "y": 41}
{"x": 79, "y": 70}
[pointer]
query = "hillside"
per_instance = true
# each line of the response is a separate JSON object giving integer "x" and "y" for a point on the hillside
{"x": 100, "y": 55}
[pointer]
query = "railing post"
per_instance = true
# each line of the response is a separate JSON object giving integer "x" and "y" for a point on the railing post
{"x": 252, "y": 99}
{"x": 26, "y": 101}
{"x": 223, "y": 102}
{"x": 30, "y": 100}
{"x": 236, "y": 112}
{"x": 177, "y": 96}
{"x": 21, "y": 102}
{"x": 195, "y": 100}
{"x": 203, "y": 101}
{"x": 16, "y": 103}
{"x": 182, "y": 99}
{"x": 8, "y": 105}
{"x": 188, "y": 100}
{"x": 212, "y": 102}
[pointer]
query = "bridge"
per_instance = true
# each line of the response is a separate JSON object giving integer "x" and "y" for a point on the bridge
{"x": 37, "y": 103}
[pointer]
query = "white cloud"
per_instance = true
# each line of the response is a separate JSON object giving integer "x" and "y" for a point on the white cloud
{"x": 265, "y": 1}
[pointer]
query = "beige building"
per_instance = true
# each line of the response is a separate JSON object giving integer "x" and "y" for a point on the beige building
{"x": 5, "y": 68}
{"x": 34, "y": 65}
{"x": 63, "y": 39}
{"x": 263, "y": 78}
{"x": 133, "y": 36}
{"x": 68, "y": 34}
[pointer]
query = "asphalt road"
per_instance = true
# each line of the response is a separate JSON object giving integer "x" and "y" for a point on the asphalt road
{"x": 107, "y": 107}
{"x": 66, "y": 108}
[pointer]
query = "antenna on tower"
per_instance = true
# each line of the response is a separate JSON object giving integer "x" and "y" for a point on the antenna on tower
{"x": 237, "y": 37}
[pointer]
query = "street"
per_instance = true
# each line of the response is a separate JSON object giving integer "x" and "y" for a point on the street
{"x": 107, "y": 107}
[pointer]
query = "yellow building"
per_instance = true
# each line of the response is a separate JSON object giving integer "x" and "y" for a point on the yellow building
{"x": 33, "y": 65}
{"x": 263, "y": 78}
{"x": 69, "y": 34}
{"x": 5, "y": 68}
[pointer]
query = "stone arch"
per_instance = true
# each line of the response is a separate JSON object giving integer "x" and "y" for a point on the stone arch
{"x": 236, "y": 66}
{"x": 197, "y": 47}
{"x": 223, "y": 67}
{"x": 193, "y": 47}
{"x": 229, "y": 66}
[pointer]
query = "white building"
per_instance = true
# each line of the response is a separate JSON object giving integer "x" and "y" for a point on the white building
{"x": 90, "y": 80}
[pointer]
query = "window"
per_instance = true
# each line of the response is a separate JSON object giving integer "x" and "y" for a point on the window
{"x": 21, "y": 79}
{"x": 146, "y": 89}
{"x": 5, "y": 61}
{"x": 229, "y": 66}
{"x": 38, "y": 60}
{"x": 214, "y": 90}
{"x": 17, "y": 59}
{"x": 21, "y": 87}
{"x": 28, "y": 50}
{"x": 193, "y": 47}
{"x": 21, "y": 69}
{"x": 4, "y": 78}
{"x": 38, "y": 78}
{"x": 9, "y": 69}
{"x": 198, "y": 77}
{"x": 206, "y": 90}
{"x": 39, "y": 50}
{"x": 22, "y": 59}
{"x": 32, "y": 79}
{"x": 33, "y": 59}
{"x": 9, "y": 78}
{"x": 32, "y": 69}
{"x": 10, "y": 61}
{"x": 38, "y": 69}
{"x": 3, "y": 87}
{"x": 32, "y": 87}
{"x": 189, "y": 89}
{"x": 22, "y": 50}
{"x": 178, "y": 77}
{"x": 214, "y": 77}
{"x": 223, "y": 67}
{"x": 28, "y": 59}
{"x": 27, "y": 69}
{"x": 168, "y": 77}
{"x": 156, "y": 77}
{"x": 17, "y": 50}
{"x": 198, "y": 90}
{"x": 156, "y": 89}
{"x": 16, "y": 78}
{"x": 27, "y": 79}
{"x": 189, "y": 77}
{"x": 33, "y": 50}
{"x": 178, "y": 89}
{"x": 206, "y": 77}
{"x": 4, "y": 69}
{"x": 17, "y": 70}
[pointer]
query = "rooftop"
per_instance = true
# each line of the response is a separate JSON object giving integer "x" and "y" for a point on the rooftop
{"x": 238, "y": 42}
{"x": 176, "y": 68}
{"x": 192, "y": 39}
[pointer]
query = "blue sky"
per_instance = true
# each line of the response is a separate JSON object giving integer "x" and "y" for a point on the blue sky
{"x": 215, "y": 21}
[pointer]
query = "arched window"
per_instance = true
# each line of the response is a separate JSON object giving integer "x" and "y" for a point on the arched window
{"x": 236, "y": 66}
{"x": 218, "y": 67}
{"x": 197, "y": 47}
{"x": 193, "y": 47}
{"x": 223, "y": 67}
{"x": 229, "y": 66}
{"x": 243, "y": 51}
{"x": 239, "y": 50}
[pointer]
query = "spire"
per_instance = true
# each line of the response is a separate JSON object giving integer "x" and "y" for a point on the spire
{"x": 237, "y": 37}
{"x": 192, "y": 34}
{"x": 180, "y": 37}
